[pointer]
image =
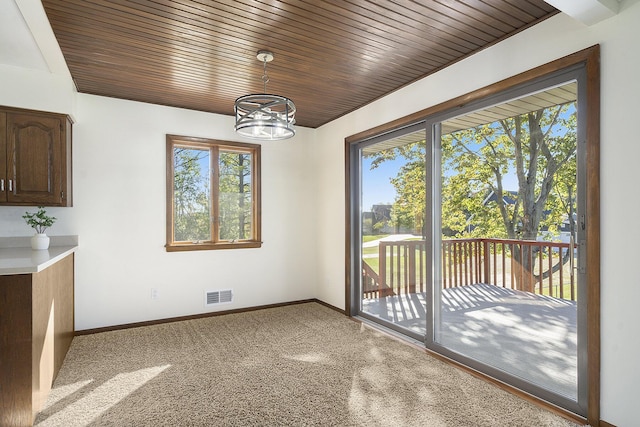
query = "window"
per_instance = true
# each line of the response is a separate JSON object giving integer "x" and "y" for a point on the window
{"x": 213, "y": 194}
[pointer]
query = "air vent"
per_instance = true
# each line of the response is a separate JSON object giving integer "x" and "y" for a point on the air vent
{"x": 218, "y": 297}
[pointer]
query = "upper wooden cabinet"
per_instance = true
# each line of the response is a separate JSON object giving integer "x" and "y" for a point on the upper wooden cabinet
{"x": 35, "y": 158}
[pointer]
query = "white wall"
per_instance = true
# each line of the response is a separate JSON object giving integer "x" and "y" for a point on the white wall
{"x": 36, "y": 90}
{"x": 119, "y": 215}
{"x": 619, "y": 38}
{"x": 119, "y": 191}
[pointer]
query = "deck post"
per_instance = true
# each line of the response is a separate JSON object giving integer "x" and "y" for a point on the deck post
{"x": 487, "y": 262}
{"x": 382, "y": 268}
{"x": 412, "y": 267}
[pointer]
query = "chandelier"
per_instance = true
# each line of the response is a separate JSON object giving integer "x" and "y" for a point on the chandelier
{"x": 264, "y": 116}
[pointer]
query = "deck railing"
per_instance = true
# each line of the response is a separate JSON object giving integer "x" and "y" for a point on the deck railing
{"x": 534, "y": 266}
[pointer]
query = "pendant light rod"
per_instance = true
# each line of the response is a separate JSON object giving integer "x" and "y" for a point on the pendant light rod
{"x": 265, "y": 56}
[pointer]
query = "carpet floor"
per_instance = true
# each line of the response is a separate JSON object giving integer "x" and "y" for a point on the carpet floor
{"x": 298, "y": 365}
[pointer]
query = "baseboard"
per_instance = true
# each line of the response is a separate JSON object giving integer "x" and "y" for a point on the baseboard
{"x": 606, "y": 424}
{"x": 199, "y": 316}
{"x": 333, "y": 307}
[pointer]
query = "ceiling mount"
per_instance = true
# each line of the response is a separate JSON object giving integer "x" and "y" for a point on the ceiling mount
{"x": 265, "y": 56}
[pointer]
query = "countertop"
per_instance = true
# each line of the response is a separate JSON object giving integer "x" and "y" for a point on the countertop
{"x": 17, "y": 257}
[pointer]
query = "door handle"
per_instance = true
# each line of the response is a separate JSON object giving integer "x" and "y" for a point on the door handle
{"x": 2, "y": 184}
{"x": 572, "y": 246}
{"x": 582, "y": 261}
{"x": 581, "y": 256}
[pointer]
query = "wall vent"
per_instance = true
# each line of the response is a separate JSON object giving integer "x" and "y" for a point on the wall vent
{"x": 218, "y": 297}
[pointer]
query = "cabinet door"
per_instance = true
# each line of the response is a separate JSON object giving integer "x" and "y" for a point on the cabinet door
{"x": 34, "y": 164}
{"x": 3, "y": 158}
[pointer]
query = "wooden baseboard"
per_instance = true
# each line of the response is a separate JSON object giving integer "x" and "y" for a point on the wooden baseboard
{"x": 606, "y": 424}
{"x": 332, "y": 307}
{"x": 197, "y": 316}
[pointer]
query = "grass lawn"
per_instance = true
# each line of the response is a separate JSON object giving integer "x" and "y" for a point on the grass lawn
{"x": 369, "y": 251}
{"x": 371, "y": 238}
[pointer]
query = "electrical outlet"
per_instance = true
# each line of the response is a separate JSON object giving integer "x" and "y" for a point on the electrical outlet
{"x": 155, "y": 294}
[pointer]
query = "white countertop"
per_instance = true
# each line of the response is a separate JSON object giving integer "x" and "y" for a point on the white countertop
{"x": 17, "y": 257}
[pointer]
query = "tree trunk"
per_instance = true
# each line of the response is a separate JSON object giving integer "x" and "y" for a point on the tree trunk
{"x": 523, "y": 262}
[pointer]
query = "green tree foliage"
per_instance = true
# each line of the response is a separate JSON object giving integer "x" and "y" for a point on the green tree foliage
{"x": 408, "y": 208}
{"x": 235, "y": 196}
{"x": 539, "y": 146}
{"x": 191, "y": 195}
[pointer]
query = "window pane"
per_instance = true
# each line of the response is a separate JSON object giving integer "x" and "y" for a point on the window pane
{"x": 192, "y": 204}
{"x": 506, "y": 294}
{"x": 235, "y": 195}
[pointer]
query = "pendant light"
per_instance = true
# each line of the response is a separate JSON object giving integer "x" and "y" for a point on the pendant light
{"x": 264, "y": 116}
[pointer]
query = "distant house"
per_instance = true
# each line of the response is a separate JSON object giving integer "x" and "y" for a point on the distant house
{"x": 510, "y": 197}
{"x": 381, "y": 213}
{"x": 379, "y": 221}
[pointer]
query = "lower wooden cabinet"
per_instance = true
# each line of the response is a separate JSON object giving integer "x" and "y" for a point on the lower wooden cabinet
{"x": 36, "y": 330}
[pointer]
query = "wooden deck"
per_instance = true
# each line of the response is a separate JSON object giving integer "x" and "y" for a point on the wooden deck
{"x": 531, "y": 336}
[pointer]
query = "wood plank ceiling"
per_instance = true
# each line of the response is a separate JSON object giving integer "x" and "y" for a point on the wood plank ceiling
{"x": 331, "y": 56}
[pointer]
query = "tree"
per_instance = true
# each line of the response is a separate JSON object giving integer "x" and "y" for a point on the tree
{"x": 191, "y": 195}
{"x": 408, "y": 208}
{"x": 537, "y": 146}
{"x": 235, "y": 196}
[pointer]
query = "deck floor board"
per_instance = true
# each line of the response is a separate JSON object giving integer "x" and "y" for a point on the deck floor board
{"x": 531, "y": 336}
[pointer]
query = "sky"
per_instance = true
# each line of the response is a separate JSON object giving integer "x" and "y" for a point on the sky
{"x": 376, "y": 185}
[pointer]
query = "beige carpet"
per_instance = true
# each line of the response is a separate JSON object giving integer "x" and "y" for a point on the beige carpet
{"x": 297, "y": 365}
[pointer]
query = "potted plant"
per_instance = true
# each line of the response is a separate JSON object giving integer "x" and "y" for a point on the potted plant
{"x": 39, "y": 221}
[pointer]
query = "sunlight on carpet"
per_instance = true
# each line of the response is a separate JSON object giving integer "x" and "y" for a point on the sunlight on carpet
{"x": 87, "y": 409}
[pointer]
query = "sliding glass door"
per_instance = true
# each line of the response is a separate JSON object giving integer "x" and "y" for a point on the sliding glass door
{"x": 505, "y": 223}
{"x": 469, "y": 232}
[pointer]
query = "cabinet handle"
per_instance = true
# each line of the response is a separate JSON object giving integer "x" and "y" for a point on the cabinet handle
{"x": 10, "y": 185}
{"x": 1, "y": 184}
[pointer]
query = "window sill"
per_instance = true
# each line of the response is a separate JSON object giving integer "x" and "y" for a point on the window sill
{"x": 211, "y": 246}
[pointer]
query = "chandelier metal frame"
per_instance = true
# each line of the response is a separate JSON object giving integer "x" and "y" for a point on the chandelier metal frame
{"x": 265, "y": 116}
